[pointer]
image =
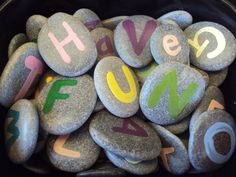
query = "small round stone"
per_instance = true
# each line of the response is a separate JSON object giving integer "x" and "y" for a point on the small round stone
{"x": 112, "y": 22}
{"x": 103, "y": 170}
{"x": 104, "y": 39}
{"x": 117, "y": 87}
{"x": 174, "y": 154}
{"x": 88, "y": 18}
{"x": 21, "y": 131}
{"x": 181, "y": 17}
{"x": 132, "y": 40}
{"x": 17, "y": 41}
{"x": 179, "y": 127}
{"x": 34, "y": 25}
{"x": 212, "y": 46}
{"x": 168, "y": 43}
{"x": 131, "y": 138}
{"x": 212, "y": 140}
{"x": 171, "y": 92}
{"x": 216, "y": 78}
{"x": 143, "y": 73}
{"x": 65, "y": 104}
{"x": 66, "y": 45}
{"x": 212, "y": 97}
{"x": 73, "y": 152}
{"x": 137, "y": 168}
{"x": 99, "y": 106}
{"x": 21, "y": 74}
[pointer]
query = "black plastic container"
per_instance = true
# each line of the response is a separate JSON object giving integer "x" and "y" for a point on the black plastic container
{"x": 14, "y": 13}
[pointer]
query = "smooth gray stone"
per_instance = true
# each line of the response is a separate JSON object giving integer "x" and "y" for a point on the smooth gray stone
{"x": 104, "y": 39}
{"x": 178, "y": 161}
{"x": 179, "y": 127}
{"x": 181, "y": 17}
{"x": 143, "y": 73}
{"x": 89, "y": 18}
{"x": 212, "y": 141}
{"x": 112, "y": 22}
{"x": 168, "y": 43}
{"x": 141, "y": 168}
{"x": 103, "y": 170}
{"x": 34, "y": 25}
{"x": 218, "y": 77}
{"x": 20, "y": 74}
{"x": 16, "y": 41}
{"x": 130, "y": 138}
{"x": 71, "y": 58}
{"x": 131, "y": 50}
{"x": 212, "y": 46}
{"x": 112, "y": 100}
{"x": 160, "y": 111}
{"x": 211, "y": 93}
{"x": 21, "y": 131}
{"x": 60, "y": 116}
{"x": 83, "y": 152}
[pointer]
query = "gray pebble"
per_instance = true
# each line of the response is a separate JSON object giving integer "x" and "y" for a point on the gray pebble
{"x": 141, "y": 168}
{"x": 163, "y": 107}
{"x": 65, "y": 104}
{"x": 212, "y": 97}
{"x": 112, "y": 22}
{"x": 21, "y": 131}
{"x": 131, "y": 138}
{"x": 117, "y": 87}
{"x": 181, "y": 17}
{"x": 168, "y": 43}
{"x": 212, "y": 46}
{"x": 66, "y": 45}
{"x": 34, "y": 25}
{"x": 179, "y": 127}
{"x": 103, "y": 170}
{"x": 17, "y": 41}
{"x": 132, "y": 40}
{"x": 143, "y": 73}
{"x": 73, "y": 152}
{"x": 216, "y": 78}
{"x": 176, "y": 162}
{"x": 104, "y": 39}
{"x": 212, "y": 141}
{"x": 21, "y": 74}
{"x": 88, "y": 18}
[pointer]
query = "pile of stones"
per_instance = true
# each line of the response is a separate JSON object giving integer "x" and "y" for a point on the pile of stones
{"x": 118, "y": 96}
